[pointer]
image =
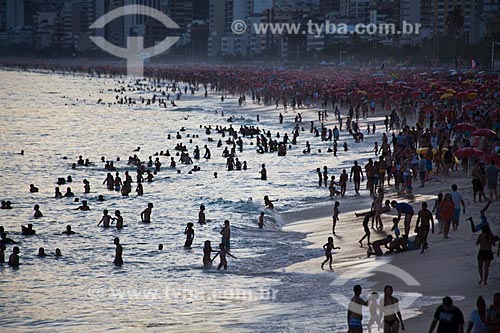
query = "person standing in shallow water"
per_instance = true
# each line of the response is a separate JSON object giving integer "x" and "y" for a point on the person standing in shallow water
{"x": 189, "y": 232}
{"x": 118, "y": 219}
{"x": 261, "y": 220}
{"x": 105, "y": 220}
{"x": 207, "y": 254}
{"x": 263, "y": 172}
{"x": 222, "y": 254}
{"x": 118, "y": 252}
{"x": 38, "y": 212}
{"x": 226, "y": 235}
{"x": 146, "y": 214}
{"x": 201, "y": 215}
{"x": 14, "y": 258}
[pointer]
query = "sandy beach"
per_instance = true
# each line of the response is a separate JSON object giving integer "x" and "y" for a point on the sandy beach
{"x": 447, "y": 268}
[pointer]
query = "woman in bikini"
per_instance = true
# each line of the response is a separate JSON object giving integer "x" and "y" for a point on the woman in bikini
{"x": 392, "y": 314}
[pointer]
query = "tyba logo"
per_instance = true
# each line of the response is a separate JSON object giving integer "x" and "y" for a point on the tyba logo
{"x": 135, "y": 53}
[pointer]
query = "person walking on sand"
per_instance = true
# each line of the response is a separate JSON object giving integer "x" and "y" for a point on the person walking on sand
{"x": 355, "y": 312}
{"x": 449, "y": 317}
{"x": 478, "y": 318}
{"x": 335, "y": 215}
{"x": 486, "y": 241}
{"x": 492, "y": 179}
{"x": 493, "y": 316}
{"x": 457, "y": 198}
{"x": 366, "y": 220}
{"x": 357, "y": 171}
{"x": 404, "y": 208}
{"x": 437, "y": 209}
{"x": 391, "y": 312}
{"x": 343, "y": 182}
{"x": 426, "y": 222}
{"x": 446, "y": 212}
{"x": 329, "y": 247}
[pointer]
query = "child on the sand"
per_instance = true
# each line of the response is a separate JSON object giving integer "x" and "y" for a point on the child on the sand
{"x": 329, "y": 247}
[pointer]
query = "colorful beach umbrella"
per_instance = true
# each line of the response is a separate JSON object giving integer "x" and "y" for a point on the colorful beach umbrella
{"x": 446, "y": 96}
{"x": 469, "y": 152}
{"x": 462, "y": 127}
{"x": 486, "y": 132}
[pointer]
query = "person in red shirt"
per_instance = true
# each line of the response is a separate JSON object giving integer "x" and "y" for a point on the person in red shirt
{"x": 446, "y": 212}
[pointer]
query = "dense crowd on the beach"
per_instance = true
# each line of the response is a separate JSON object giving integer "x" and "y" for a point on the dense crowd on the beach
{"x": 457, "y": 122}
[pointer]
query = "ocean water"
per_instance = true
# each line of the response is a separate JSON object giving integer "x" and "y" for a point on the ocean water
{"x": 55, "y": 118}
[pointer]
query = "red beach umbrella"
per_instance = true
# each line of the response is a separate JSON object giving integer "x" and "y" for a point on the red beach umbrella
{"x": 469, "y": 152}
{"x": 462, "y": 127}
{"x": 484, "y": 132}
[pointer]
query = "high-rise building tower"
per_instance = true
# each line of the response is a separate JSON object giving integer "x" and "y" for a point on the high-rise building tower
{"x": 15, "y": 14}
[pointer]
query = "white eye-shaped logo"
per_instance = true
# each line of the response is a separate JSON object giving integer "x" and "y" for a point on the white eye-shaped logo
{"x": 135, "y": 53}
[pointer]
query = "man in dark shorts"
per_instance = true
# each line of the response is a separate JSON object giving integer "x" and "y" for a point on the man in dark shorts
{"x": 366, "y": 220}
{"x": 358, "y": 176}
{"x": 424, "y": 220}
{"x": 377, "y": 246}
{"x": 354, "y": 312}
{"x": 404, "y": 208}
{"x": 382, "y": 168}
{"x": 450, "y": 318}
{"x": 492, "y": 172}
{"x": 371, "y": 170}
{"x": 422, "y": 170}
